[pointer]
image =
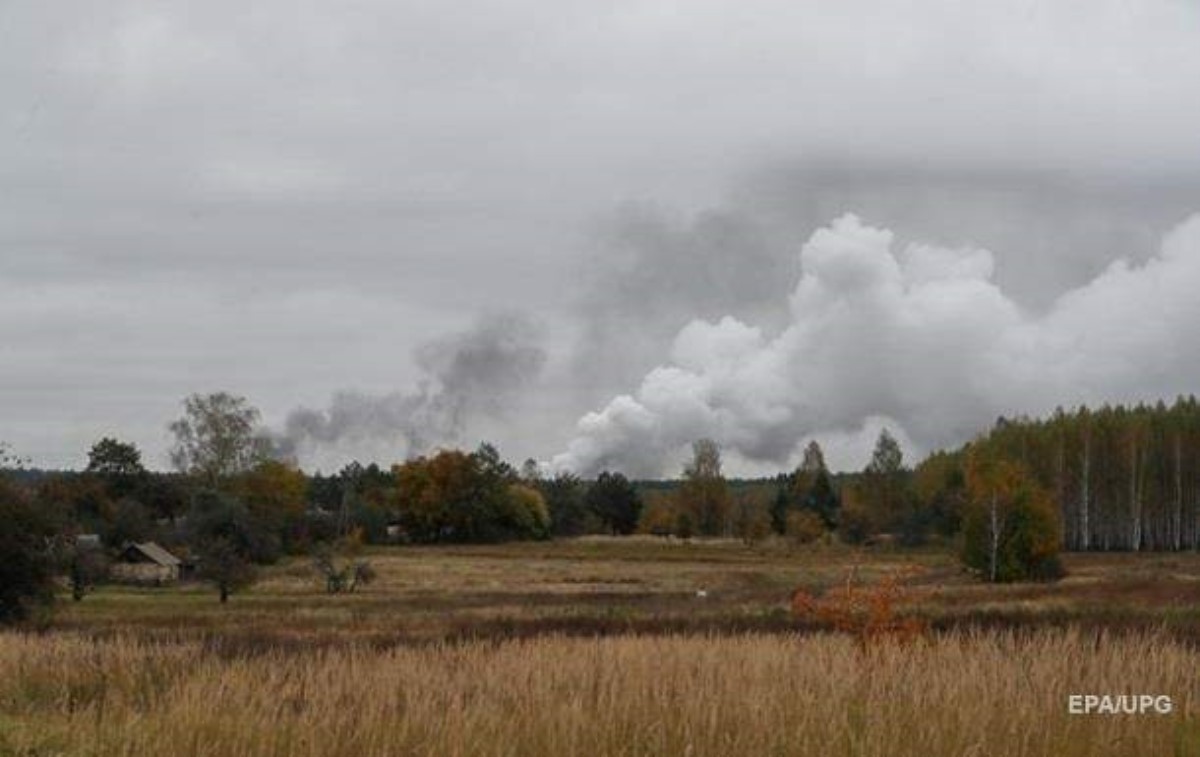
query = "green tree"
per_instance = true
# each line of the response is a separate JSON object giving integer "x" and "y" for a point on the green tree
{"x": 823, "y": 499}
{"x": 363, "y": 497}
{"x": 496, "y": 510}
{"x": 569, "y": 514}
{"x": 782, "y": 502}
{"x": 527, "y": 514}
{"x": 809, "y": 487}
{"x": 217, "y": 515}
{"x": 223, "y": 562}
{"x": 752, "y": 519}
{"x": 118, "y": 464}
{"x": 615, "y": 502}
{"x": 477, "y": 497}
{"x": 273, "y": 490}
{"x": 813, "y": 486}
{"x": 854, "y": 522}
{"x": 27, "y": 564}
{"x": 109, "y": 457}
{"x": 131, "y": 522}
{"x": 217, "y": 437}
{"x": 165, "y": 495}
{"x": 887, "y": 458}
{"x": 939, "y": 487}
{"x": 883, "y": 483}
{"x": 812, "y": 463}
{"x": 427, "y": 490}
{"x": 1011, "y": 531}
{"x": 531, "y": 472}
{"x": 704, "y": 493}
{"x": 82, "y": 500}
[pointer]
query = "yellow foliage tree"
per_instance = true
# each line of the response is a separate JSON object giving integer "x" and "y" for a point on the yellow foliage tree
{"x": 1011, "y": 532}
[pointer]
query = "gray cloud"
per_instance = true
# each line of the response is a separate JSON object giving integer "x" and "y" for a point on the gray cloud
{"x": 654, "y": 271}
{"x": 286, "y": 199}
{"x": 918, "y": 337}
{"x": 466, "y": 376}
{"x": 1049, "y": 229}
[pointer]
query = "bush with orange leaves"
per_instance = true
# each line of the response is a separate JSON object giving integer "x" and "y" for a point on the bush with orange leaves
{"x": 869, "y": 612}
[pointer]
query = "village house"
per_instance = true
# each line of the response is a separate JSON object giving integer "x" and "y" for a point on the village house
{"x": 146, "y": 563}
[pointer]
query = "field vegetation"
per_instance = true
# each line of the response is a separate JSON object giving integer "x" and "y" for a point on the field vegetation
{"x": 992, "y": 693}
{"x": 618, "y": 585}
{"x": 613, "y": 646}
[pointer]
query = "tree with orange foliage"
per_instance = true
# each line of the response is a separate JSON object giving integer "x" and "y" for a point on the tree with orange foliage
{"x": 454, "y": 496}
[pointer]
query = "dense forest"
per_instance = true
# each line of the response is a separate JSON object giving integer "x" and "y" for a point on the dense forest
{"x": 1124, "y": 478}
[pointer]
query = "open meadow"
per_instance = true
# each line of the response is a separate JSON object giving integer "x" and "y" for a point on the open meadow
{"x": 605, "y": 586}
{"x": 613, "y": 646}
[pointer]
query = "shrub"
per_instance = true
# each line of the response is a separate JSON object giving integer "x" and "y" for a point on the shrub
{"x": 869, "y": 612}
{"x": 804, "y": 527}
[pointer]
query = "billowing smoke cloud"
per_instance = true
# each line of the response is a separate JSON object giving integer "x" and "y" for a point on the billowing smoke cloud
{"x": 653, "y": 272}
{"x": 921, "y": 337}
{"x": 652, "y": 269}
{"x": 476, "y": 374}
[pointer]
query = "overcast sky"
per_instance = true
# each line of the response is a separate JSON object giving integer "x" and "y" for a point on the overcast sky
{"x": 545, "y": 222}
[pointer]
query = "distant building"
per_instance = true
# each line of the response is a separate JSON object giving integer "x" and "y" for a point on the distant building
{"x": 146, "y": 563}
{"x": 88, "y": 541}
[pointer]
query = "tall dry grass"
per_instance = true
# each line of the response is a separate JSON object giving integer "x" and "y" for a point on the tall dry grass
{"x": 981, "y": 694}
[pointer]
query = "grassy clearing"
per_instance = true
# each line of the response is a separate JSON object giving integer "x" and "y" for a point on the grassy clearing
{"x": 958, "y": 694}
{"x": 602, "y": 647}
{"x": 616, "y": 586}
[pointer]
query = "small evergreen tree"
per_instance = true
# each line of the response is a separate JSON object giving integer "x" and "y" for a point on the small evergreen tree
{"x": 781, "y": 504}
{"x": 823, "y": 500}
{"x": 883, "y": 485}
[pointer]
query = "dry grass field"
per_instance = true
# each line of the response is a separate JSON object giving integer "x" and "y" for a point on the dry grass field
{"x": 601, "y": 586}
{"x": 602, "y": 647}
{"x": 988, "y": 694}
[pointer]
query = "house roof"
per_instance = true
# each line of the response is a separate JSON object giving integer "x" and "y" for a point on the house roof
{"x": 155, "y": 553}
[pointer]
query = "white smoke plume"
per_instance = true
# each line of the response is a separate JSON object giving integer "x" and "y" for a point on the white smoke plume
{"x": 467, "y": 376}
{"x": 920, "y": 339}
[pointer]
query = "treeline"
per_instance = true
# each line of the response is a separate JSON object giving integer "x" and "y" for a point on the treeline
{"x": 230, "y": 506}
{"x": 1113, "y": 478}
{"x": 1123, "y": 478}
